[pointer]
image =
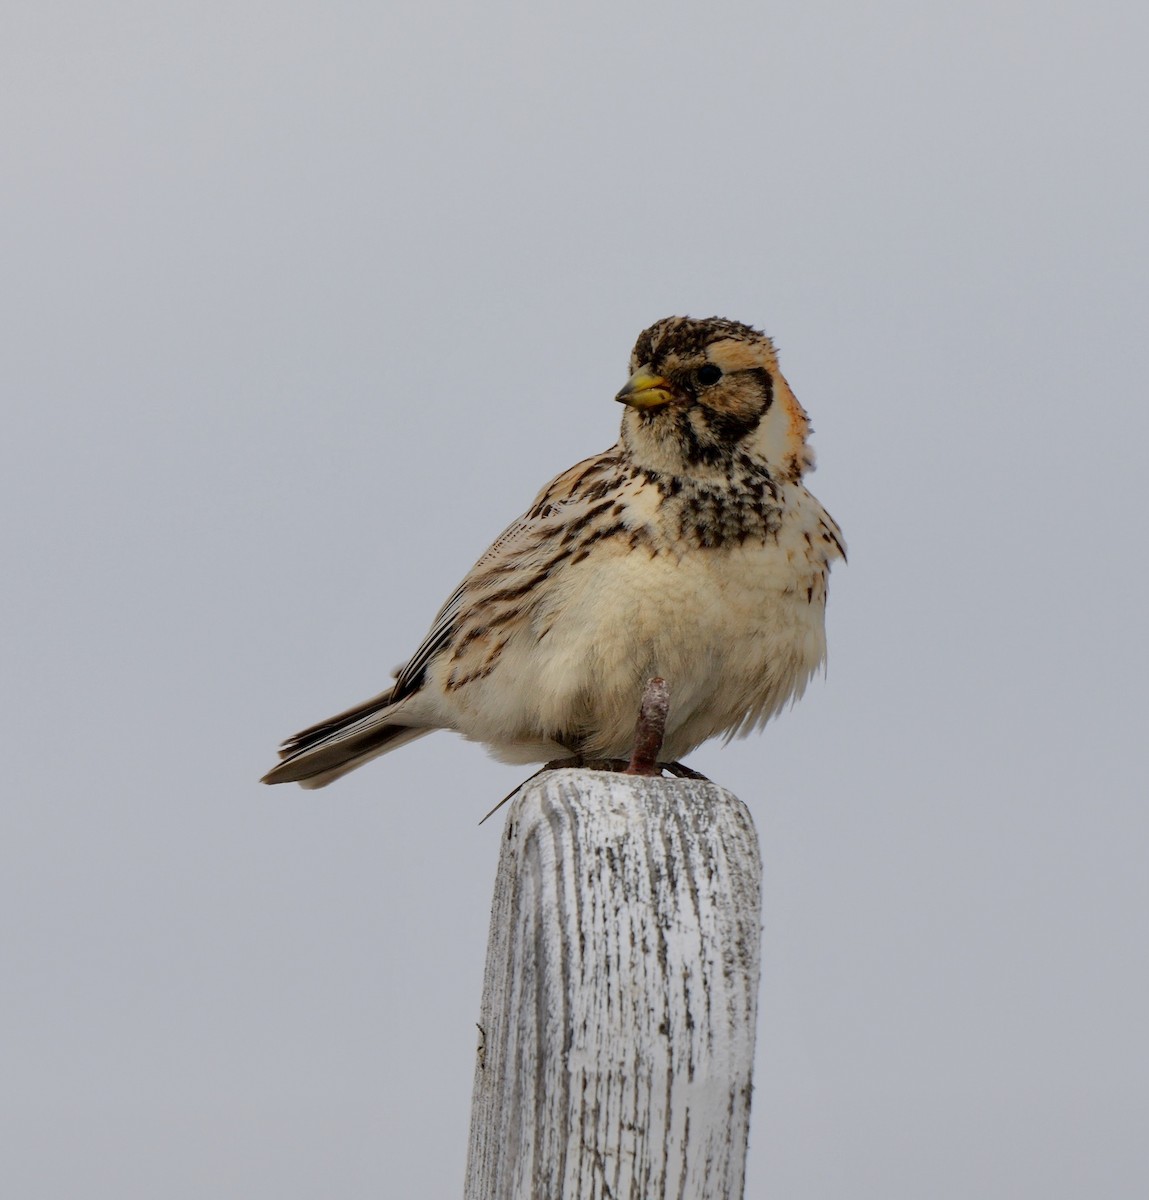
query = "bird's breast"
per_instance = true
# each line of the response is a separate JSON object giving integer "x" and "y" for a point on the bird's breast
{"x": 735, "y": 629}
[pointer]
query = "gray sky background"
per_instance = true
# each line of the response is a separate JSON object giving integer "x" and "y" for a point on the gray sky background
{"x": 303, "y": 302}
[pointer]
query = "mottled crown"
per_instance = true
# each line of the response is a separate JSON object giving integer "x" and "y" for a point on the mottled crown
{"x": 687, "y": 336}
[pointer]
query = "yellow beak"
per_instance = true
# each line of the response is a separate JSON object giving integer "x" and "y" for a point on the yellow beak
{"x": 645, "y": 390}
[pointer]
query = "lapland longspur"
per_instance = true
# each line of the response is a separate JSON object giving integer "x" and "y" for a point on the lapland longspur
{"x": 690, "y": 550}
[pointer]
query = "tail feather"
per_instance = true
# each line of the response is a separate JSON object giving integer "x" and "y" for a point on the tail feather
{"x": 322, "y": 753}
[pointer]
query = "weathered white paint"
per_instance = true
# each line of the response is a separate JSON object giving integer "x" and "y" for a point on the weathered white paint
{"x": 617, "y": 1024}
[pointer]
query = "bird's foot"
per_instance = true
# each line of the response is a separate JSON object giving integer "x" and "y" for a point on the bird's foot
{"x": 617, "y": 765}
{"x": 648, "y": 735}
{"x": 588, "y": 764}
{"x": 682, "y": 771}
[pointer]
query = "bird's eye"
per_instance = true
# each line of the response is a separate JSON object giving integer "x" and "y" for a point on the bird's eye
{"x": 708, "y": 374}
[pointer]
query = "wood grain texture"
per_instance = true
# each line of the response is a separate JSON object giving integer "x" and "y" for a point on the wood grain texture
{"x": 618, "y": 1015}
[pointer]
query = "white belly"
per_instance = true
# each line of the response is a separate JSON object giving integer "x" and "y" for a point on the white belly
{"x": 736, "y": 632}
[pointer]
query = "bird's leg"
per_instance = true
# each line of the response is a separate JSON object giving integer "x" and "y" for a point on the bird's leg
{"x": 650, "y": 730}
{"x": 648, "y": 735}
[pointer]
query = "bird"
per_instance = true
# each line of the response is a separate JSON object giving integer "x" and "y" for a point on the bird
{"x": 690, "y": 550}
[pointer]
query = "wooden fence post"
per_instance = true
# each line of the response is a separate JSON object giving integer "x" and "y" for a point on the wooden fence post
{"x": 616, "y": 1037}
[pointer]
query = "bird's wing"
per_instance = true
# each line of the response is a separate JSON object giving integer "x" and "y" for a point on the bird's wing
{"x": 519, "y": 548}
{"x": 410, "y": 678}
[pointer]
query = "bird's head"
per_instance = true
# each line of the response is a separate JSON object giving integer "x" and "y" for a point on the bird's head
{"x": 704, "y": 391}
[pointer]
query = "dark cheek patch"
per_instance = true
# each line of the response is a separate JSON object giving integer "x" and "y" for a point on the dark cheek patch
{"x": 766, "y": 380}
{"x": 731, "y": 427}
